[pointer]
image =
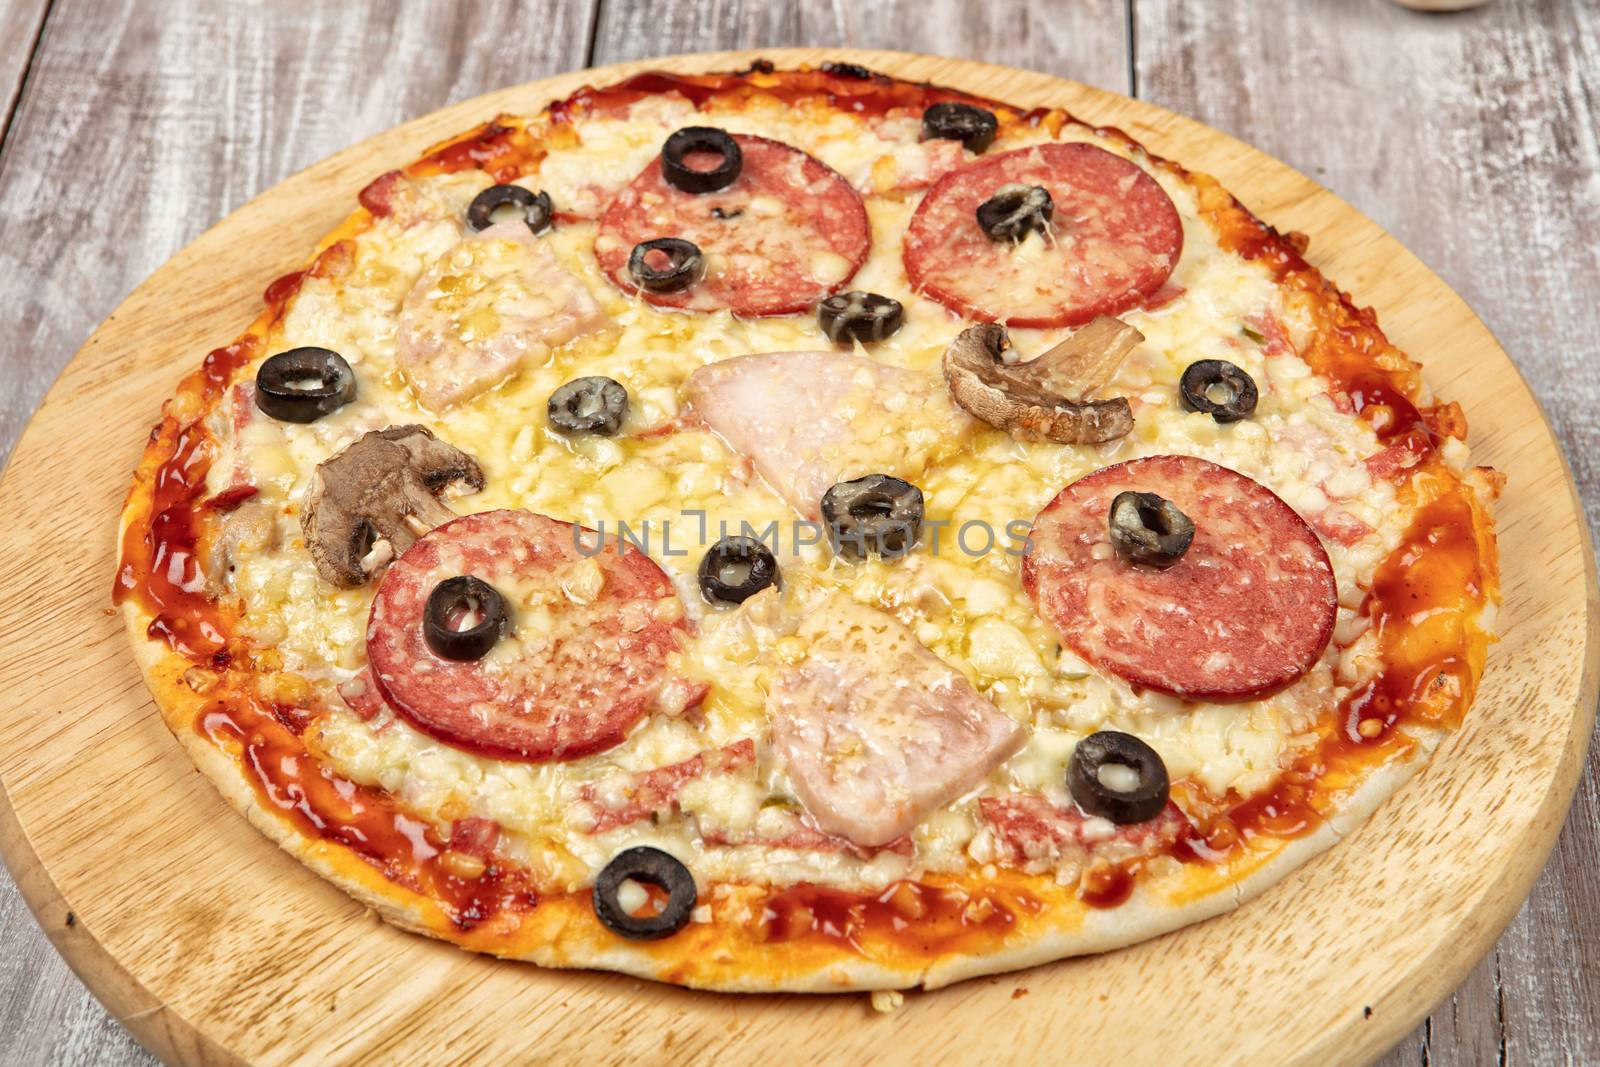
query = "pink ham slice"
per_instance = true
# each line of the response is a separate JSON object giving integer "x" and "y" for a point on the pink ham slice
{"x": 396, "y": 195}
{"x": 630, "y": 798}
{"x": 789, "y": 830}
{"x": 1031, "y": 830}
{"x": 495, "y": 303}
{"x": 875, "y": 731}
{"x": 802, "y": 418}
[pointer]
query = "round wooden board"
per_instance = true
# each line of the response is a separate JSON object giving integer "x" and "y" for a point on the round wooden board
{"x": 215, "y": 947}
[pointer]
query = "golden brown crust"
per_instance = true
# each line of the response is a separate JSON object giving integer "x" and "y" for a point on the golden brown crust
{"x": 1046, "y": 921}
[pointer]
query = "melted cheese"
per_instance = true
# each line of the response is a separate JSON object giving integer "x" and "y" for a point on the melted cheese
{"x": 680, "y": 491}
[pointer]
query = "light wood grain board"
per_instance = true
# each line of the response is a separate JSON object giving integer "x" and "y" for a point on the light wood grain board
{"x": 214, "y": 947}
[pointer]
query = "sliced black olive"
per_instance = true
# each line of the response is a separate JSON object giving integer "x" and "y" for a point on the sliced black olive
{"x": 700, "y": 140}
{"x": 1118, "y": 777}
{"x": 595, "y": 404}
{"x": 848, "y": 70}
{"x": 1219, "y": 389}
{"x": 860, "y": 316}
{"x": 666, "y": 264}
{"x": 736, "y": 569}
{"x": 1015, "y": 210}
{"x": 653, "y": 867}
{"x": 972, "y": 126}
{"x": 464, "y": 618}
{"x": 304, "y": 384}
{"x": 534, "y": 208}
{"x": 1149, "y": 529}
{"x": 878, "y": 513}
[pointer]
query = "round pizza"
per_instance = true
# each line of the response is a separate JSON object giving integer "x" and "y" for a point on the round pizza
{"x": 805, "y": 530}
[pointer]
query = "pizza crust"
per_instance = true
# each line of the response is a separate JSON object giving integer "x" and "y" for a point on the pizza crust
{"x": 1149, "y": 912}
{"x": 561, "y": 932}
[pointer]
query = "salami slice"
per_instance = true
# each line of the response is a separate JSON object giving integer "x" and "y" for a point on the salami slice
{"x": 583, "y": 660}
{"x": 1246, "y": 611}
{"x": 789, "y": 231}
{"x": 1113, "y": 240}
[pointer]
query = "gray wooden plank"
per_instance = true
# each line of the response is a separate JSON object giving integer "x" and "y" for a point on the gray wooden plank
{"x": 1473, "y": 139}
{"x": 141, "y": 123}
{"x": 1085, "y": 40}
{"x": 20, "y": 22}
{"x": 46, "y": 1015}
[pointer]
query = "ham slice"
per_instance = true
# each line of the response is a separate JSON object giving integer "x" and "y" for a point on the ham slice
{"x": 1031, "y": 831}
{"x": 807, "y": 420}
{"x": 396, "y": 195}
{"x": 630, "y": 798}
{"x": 496, "y": 302}
{"x": 875, "y": 731}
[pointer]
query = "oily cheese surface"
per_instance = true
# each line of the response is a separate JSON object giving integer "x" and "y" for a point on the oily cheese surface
{"x": 136, "y": 979}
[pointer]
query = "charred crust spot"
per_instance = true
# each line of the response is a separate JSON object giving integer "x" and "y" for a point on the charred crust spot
{"x": 849, "y": 70}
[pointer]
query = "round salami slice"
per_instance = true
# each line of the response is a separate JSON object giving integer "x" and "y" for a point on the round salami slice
{"x": 584, "y": 656}
{"x": 1245, "y": 611}
{"x": 1113, "y": 239}
{"x": 787, "y": 232}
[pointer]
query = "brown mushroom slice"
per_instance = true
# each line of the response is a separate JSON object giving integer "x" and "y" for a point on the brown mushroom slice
{"x": 1045, "y": 398}
{"x": 248, "y": 529}
{"x": 369, "y": 503}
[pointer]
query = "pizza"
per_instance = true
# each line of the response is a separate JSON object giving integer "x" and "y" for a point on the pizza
{"x": 806, "y": 530}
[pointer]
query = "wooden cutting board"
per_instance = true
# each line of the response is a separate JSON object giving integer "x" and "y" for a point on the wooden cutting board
{"x": 214, "y": 947}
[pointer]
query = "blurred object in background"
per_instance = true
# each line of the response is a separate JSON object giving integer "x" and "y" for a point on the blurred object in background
{"x": 1440, "y": 5}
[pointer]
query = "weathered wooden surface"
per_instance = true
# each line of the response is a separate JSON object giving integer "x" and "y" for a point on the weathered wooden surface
{"x": 1472, "y": 137}
{"x": 20, "y": 23}
{"x": 1085, "y": 40}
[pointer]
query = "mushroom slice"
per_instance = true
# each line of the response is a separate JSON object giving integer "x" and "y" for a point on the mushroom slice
{"x": 371, "y": 501}
{"x": 1048, "y": 397}
{"x": 247, "y": 530}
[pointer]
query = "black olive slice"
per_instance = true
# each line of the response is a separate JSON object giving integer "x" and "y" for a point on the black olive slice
{"x": 653, "y": 867}
{"x": 1015, "y": 210}
{"x": 1118, "y": 777}
{"x": 878, "y": 513}
{"x": 736, "y": 569}
{"x": 700, "y": 140}
{"x": 595, "y": 404}
{"x": 304, "y": 384}
{"x": 1219, "y": 389}
{"x": 464, "y": 617}
{"x": 666, "y": 264}
{"x": 860, "y": 316}
{"x": 1149, "y": 529}
{"x": 535, "y": 208}
{"x": 972, "y": 126}
{"x": 848, "y": 70}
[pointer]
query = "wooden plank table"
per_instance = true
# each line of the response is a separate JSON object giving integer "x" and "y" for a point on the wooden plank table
{"x": 129, "y": 128}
